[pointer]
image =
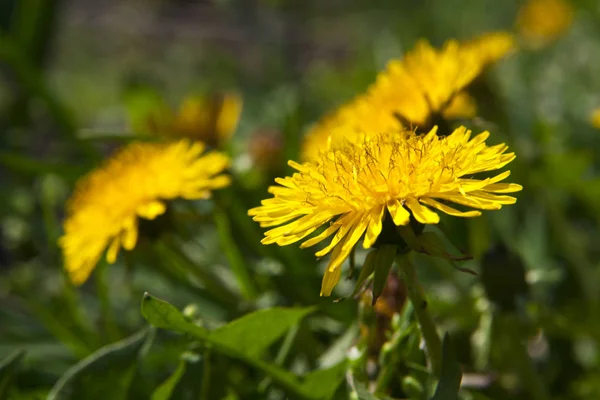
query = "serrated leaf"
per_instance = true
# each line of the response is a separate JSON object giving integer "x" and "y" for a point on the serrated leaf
{"x": 383, "y": 263}
{"x": 8, "y": 367}
{"x": 323, "y": 383}
{"x": 165, "y": 390}
{"x": 254, "y": 333}
{"x": 451, "y": 373}
{"x": 166, "y": 316}
{"x": 106, "y": 374}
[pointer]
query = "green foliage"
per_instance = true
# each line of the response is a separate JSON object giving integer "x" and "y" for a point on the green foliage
{"x": 80, "y": 80}
{"x": 115, "y": 363}
{"x": 449, "y": 384}
{"x": 165, "y": 390}
{"x": 384, "y": 259}
{"x": 8, "y": 367}
{"x": 246, "y": 339}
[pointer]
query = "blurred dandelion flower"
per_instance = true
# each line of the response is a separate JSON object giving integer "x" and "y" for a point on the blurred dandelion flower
{"x": 425, "y": 86}
{"x": 104, "y": 209}
{"x": 363, "y": 114}
{"x": 542, "y": 21}
{"x": 210, "y": 119}
{"x": 595, "y": 118}
{"x": 392, "y": 176}
{"x": 490, "y": 47}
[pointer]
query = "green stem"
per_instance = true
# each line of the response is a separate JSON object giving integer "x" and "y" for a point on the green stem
{"x": 529, "y": 377}
{"x": 74, "y": 305}
{"x": 391, "y": 356}
{"x": 72, "y": 340}
{"x": 417, "y": 298}
{"x": 509, "y": 327}
{"x": 282, "y": 354}
{"x": 178, "y": 261}
{"x": 235, "y": 258}
{"x": 102, "y": 289}
{"x": 206, "y": 371}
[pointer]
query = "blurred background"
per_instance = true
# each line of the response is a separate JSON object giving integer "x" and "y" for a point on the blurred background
{"x": 80, "y": 78}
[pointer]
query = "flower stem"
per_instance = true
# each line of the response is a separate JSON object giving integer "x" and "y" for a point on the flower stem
{"x": 179, "y": 264}
{"x": 103, "y": 292}
{"x": 236, "y": 261}
{"x": 206, "y": 371}
{"x": 417, "y": 298}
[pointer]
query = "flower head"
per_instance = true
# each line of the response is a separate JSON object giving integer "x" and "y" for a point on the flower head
{"x": 211, "y": 119}
{"x": 351, "y": 189}
{"x": 363, "y": 114}
{"x": 135, "y": 183}
{"x": 426, "y": 84}
{"x": 542, "y": 21}
{"x": 426, "y": 81}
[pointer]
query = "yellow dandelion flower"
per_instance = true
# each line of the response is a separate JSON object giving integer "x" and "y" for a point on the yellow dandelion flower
{"x": 425, "y": 82}
{"x": 347, "y": 123}
{"x": 412, "y": 92}
{"x": 595, "y": 118}
{"x": 492, "y": 46}
{"x": 209, "y": 119}
{"x": 542, "y": 21}
{"x": 352, "y": 189}
{"x": 462, "y": 106}
{"x": 136, "y": 182}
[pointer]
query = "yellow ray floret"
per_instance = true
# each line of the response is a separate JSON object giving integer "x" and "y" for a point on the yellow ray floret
{"x": 491, "y": 46}
{"x": 349, "y": 190}
{"x": 104, "y": 209}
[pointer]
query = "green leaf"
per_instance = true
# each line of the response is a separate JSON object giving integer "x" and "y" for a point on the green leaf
{"x": 323, "y": 383}
{"x": 254, "y": 333}
{"x": 26, "y": 165}
{"x": 412, "y": 387}
{"x": 226, "y": 340}
{"x": 106, "y": 374}
{"x": 236, "y": 260}
{"x": 363, "y": 393}
{"x": 163, "y": 315}
{"x": 433, "y": 245}
{"x": 367, "y": 269}
{"x": 384, "y": 260}
{"x": 451, "y": 375}
{"x": 165, "y": 390}
{"x": 8, "y": 368}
